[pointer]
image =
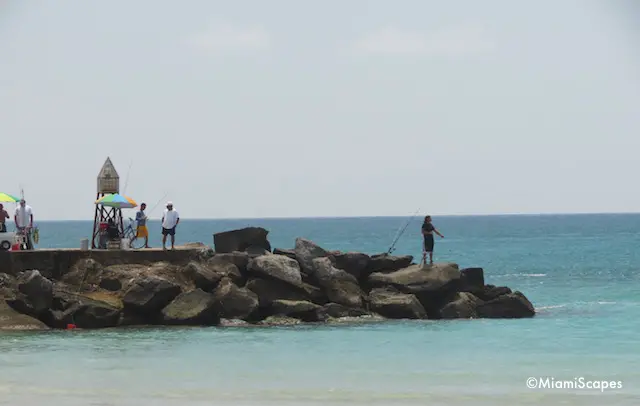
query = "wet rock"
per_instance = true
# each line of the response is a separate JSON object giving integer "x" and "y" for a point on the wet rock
{"x": 336, "y": 310}
{"x": 204, "y": 277}
{"x": 34, "y": 295}
{"x": 396, "y": 305}
{"x": 279, "y": 321}
{"x": 508, "y": 306}
{"x": 472, "y": 277}
{"x": 110, "y": 284}
{"x": 354, "y": 263}
{"x": 149, "y": 295}
{"x": 339, "y": 286}
{"x": 12, "y": 320}
{"x": 277, "y": 267}
{"x": 234, "y": 302}
{"x": 462, "y": 306}
{"x": 225, "y": 268}
{"x": 196, "y": 307}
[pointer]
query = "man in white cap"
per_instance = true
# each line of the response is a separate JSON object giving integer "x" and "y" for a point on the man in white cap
{"x": 170, "y": 220}
{"x": 23, "y": 217}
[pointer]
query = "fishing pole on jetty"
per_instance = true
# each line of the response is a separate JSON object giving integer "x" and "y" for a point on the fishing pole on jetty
{"x": 400, "y": 232}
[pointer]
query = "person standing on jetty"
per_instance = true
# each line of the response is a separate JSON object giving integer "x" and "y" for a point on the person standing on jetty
{"x": 170, "y": 220}
{"x": 3, "y": 217}
{"x": 24, "y": 221}
{"x": 427, "y": 233}
{"x": 141, "y": 229}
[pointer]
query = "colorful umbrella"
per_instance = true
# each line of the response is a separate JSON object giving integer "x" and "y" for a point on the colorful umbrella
{"x": 7, "y": 198}
{"x": 117, "y": 200}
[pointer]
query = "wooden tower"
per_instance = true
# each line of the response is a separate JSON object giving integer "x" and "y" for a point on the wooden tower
{"x": 108, "y": 182}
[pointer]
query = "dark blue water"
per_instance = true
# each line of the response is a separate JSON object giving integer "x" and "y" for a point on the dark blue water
{"x": 580, "y": 271}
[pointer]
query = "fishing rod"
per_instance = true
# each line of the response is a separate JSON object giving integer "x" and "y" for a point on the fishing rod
{"x": 156, "y": 205}
{"x": 400, "y": 232}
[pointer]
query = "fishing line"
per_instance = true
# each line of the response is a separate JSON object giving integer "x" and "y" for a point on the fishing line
{"x": 400, "y": 232}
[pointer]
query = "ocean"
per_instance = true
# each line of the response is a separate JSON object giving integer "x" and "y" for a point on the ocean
{"x": 581, "y": 272}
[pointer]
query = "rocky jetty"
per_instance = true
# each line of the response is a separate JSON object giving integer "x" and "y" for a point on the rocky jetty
{"x": 244, "y": 282}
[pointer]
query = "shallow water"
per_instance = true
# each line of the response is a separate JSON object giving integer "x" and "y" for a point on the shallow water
{"x": 581, "y": 273}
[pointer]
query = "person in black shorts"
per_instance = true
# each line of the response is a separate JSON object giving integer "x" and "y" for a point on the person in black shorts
{"x": 427, "y": 233}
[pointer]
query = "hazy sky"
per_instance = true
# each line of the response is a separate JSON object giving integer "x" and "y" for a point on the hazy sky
{"x": 331, "y": 108}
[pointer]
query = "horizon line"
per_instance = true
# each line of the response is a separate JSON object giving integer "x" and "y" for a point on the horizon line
{"x": 376, "y": 216}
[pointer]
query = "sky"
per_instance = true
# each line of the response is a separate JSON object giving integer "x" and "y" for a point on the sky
{"x": 249, "y": 109}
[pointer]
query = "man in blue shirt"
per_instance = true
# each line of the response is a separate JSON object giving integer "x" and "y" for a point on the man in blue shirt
{"x": 142, "y": 230}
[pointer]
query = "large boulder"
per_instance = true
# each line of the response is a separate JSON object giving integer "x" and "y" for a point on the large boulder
{"x": 432, "y": 284}
{"x": 241, "y": 239}
{"x": 203, "y": 277}
{"x": 306, "y": 251}
{"x": 339, "y": 286}
{"x": 463, "y": 305}
{"x": 509, "y": 306}
{"x": 149, "y": 295}
{"x": 354, "y": 263}
{"x": 396, "y": 305}
{"x": 196, "y": 307}
{"x": 8, "y": 286}
{"x": 271, "y": 289}
{"x": 34, "y": 294}
{"x": 225, "y": 268}
{"x": 82, "y": 311}
{"x": 299, "y": 309}
{"x": 237, "y": 258}
{"x": 277, "y": 267}
{"x": 387, "y": 263}
{"x": 12, "y": 320}
{"x": 472, "y": 277}
{"x": 234, "y": 302}
{"x": 489, "y": 292}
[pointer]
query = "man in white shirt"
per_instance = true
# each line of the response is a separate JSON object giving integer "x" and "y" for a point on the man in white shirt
{"x": 170, "y": 220}
{"x": 23, "y": 217}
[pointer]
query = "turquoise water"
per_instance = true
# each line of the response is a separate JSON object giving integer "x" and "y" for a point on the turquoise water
{"x": 580, "y": 271}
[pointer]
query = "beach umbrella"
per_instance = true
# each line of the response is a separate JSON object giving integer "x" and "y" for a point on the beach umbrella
{"x": 117, "y": 200}
{"x": 7, "y": 198}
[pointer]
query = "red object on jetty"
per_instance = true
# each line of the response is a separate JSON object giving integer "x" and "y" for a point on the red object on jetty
{"x": 71, "y": 326}
{"x": 15, "y": 247}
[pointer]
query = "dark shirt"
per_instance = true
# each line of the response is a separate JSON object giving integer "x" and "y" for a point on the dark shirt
{"x": 428, "y": 227}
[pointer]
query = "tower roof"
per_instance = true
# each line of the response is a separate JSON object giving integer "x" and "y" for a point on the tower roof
{"x": 108, "y": 178}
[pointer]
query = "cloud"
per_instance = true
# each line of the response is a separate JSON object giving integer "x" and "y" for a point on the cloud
{"x": 228, "y": 37}
{"x": 452, "y": 41}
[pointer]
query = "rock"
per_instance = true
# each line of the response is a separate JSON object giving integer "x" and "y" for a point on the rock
{"x": 300, "y": 309}
{"x": 509, "y": 306}
{"x": 8, "y": 286}
{"x": 336, "y": 310}
{"x": 354, "y": 263}
{"x": 12, "y": 320}
{"x": 490, "y": 292}
{"x": 472, "y": 277}
{"x": 339, "y": 286}
{"x": 306, "y": 251}
{"x": 234, "y": 302}
{"x": 203, "y": 277}
{"x": 278, "y": 267}
{"x": 255, "y": 251}
{"x": 417, "y": 278}
{"x": 196, "y": 307}
{"x": 81, "y": 310}
{"x": 269, "y": 289}
{"x": 110, "y": 284}
{"x": 149, "y": 295}
{"x": 396, "y": 305}
{"x": 241, "y": 239}
{"x": 225, "y": 268}
{"x": 387, "y": 263}
{"x": 239, "y": 259}
{"x": 462, "y": 306}
{"x": 233, "y": 323}
{"x": 432, "y": 284}
{"x": 279, "y": 321}
{"x": 35, "y": 294}
{"x": 84, "y": 271}
{"x": 289, "y": 253}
